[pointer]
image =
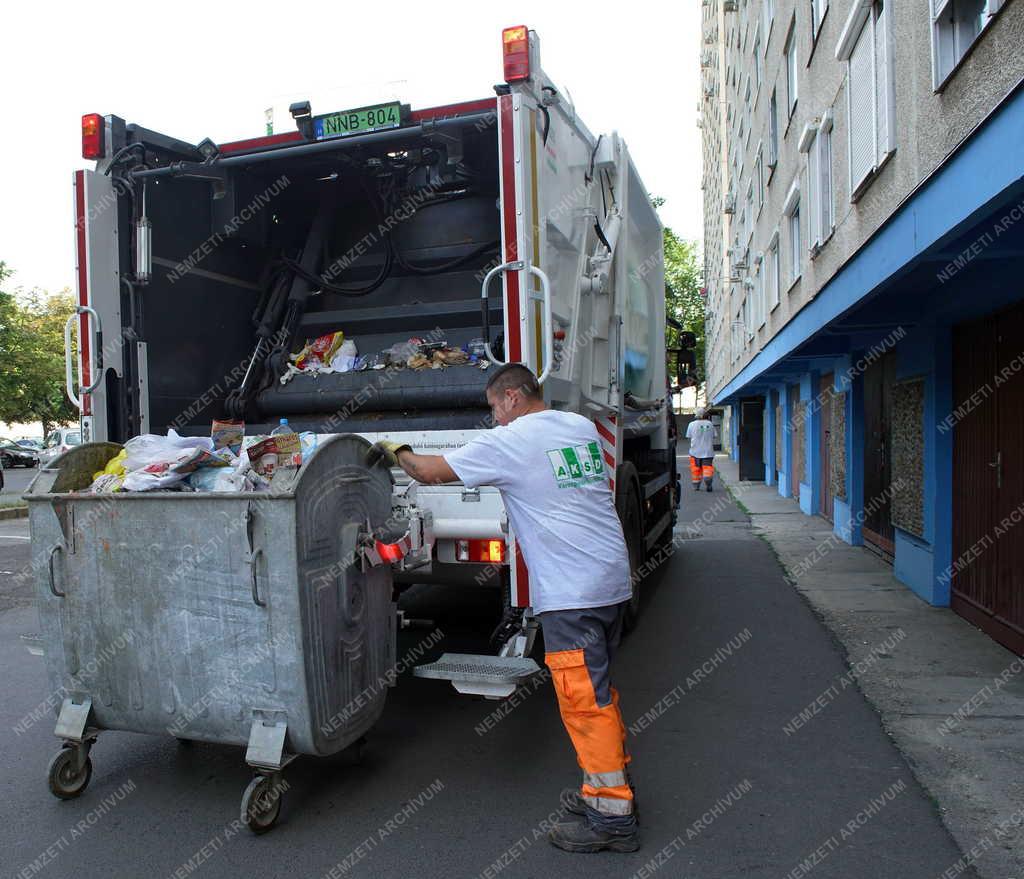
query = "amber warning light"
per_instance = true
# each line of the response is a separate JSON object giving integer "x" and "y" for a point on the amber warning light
{"x": 516, "y": 45}
{"x": 92, "y": 136}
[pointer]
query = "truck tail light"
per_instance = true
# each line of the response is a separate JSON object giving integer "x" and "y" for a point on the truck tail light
{"x": 92, "y": 136}
{"x": 516, "y": 53}
{"x": 491, "y": 552}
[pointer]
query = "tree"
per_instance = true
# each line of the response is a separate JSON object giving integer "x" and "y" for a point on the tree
{"x": 684, "y": 301}
{"x": 32, "y": 355}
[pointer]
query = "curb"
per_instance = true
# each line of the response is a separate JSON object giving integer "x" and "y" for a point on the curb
{"x": 14, "y": 513}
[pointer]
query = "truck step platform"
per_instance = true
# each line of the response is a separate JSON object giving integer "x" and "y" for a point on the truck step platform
{"x": 479, "y": 674}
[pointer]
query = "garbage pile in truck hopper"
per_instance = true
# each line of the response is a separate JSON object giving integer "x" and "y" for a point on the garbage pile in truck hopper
{"x": 332, "y": 352}
{"x": 227, "y": 460}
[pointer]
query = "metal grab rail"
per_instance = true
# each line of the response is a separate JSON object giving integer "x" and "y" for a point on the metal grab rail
{"x": 96, "y": 370}
{"x": 549, "y": 330}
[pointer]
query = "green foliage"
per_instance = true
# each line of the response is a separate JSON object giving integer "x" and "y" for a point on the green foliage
{"x": 683, "y": 299}
{"x": 32, "y": 356}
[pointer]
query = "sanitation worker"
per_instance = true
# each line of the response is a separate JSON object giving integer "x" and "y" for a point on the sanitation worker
{"x": 547, "y": 465}
{"x": 701, "y": 434}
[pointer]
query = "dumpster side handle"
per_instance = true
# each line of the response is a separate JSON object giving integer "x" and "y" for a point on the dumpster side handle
{"x": 53, "y": 586}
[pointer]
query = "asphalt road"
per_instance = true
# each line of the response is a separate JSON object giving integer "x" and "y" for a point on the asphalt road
{"x": 16, "y": 480}
{"x": 725, "y": 655}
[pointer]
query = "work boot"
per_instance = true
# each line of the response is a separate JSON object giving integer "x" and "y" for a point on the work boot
{"x": 579, "y": 836}
{"x": 708, "y": 484}
{"x": 696, "y": 486}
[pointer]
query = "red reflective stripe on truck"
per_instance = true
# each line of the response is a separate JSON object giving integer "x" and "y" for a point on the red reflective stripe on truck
{"x": 513, "y": 344}
{"x": 255, "y": 143}
{"x": 522, "y": 579}
{"x": 82, "y": 277}
{"x": 452, "y": 110}
{"x": 607, "y": 434}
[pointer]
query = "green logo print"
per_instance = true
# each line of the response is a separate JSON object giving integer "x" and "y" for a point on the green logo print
{"x": 574, "y": 466}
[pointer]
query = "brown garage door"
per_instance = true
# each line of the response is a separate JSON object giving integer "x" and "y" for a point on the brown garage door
{"x": 988, "y": 475}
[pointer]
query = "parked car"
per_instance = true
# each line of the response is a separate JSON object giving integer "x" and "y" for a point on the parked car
{"x": 29, "y": 443}
{"x": 58, "y": 442}
{"x": 12, "y": 455}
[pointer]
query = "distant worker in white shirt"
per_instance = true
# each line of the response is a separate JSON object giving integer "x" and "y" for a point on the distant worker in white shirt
{"x": 701, "y": 434}
{"x": 548, "y": 466}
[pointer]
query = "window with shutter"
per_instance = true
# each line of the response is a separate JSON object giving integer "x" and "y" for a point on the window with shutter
{"x": 773, "y": 131}
{"x": 813, "y": 196}
{"x": 884, "y": 141}
{"x": 861, "y": 108}
{"x": 772, "y": 278}
{"x": 866, "y": 46}
{"x": 791, "y": 83}
{"x": 826, "y": 212}
{"x": 794, "y": 240}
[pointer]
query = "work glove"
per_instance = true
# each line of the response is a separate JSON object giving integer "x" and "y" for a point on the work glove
{"x": 386, "y": 451}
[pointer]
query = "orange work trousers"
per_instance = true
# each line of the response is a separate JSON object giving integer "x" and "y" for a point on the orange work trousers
{"x": 579, "y": 646}
{"x": 701, "y": 467}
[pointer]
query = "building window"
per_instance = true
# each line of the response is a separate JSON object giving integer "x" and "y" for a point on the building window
{"x": 826, "y": 213}
{"x": 771, "y": 273}
{"x": 773, "y": 132}
{"x": 790, "y": 53}
{"x": 866, "y": 46}
{"x": 956, "y": 24}
{"x": 818, "y": 10}
{"x": 791, "y": 209}
{"x": 758, "y": 180}
{"x": 768, "y": 16}
{"x": 759, "y": 310}
{"x": 749, "y": 214}
{"x": 816, "y": 142}
{"x": 758, "y": 63}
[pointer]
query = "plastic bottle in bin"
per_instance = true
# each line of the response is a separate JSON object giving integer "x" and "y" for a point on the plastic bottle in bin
{"x": 287, "y": 445}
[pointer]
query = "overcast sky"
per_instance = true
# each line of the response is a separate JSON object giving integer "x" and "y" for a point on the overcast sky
{"x": 211, "y": 70}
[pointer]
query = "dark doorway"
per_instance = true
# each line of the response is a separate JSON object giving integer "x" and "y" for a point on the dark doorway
{"x": 777, "y": 457}
{"x": 878, "y": 530}
{"x": 796, "y": 441}
{"x": 988, "y": 475}
{"x": 751, "y": 439}
{"x": 825, "y": 409}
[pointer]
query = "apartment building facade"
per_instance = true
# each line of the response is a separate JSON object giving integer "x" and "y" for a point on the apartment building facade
{"x": 864, "y": 229}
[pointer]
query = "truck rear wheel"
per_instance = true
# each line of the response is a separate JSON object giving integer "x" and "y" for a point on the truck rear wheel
{"x": 627, "y": 504}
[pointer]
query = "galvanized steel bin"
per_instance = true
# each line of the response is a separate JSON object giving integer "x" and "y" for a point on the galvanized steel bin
{"x": 238, "y": 618}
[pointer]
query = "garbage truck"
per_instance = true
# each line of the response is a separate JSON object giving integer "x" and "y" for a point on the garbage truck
{"x": 470, "y": 234}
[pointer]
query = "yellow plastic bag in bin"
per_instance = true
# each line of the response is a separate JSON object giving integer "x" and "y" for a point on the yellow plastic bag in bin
{"x": 115, "y": 466}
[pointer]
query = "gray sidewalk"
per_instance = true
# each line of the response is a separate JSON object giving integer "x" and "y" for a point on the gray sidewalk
{"x": 951, "y": 699}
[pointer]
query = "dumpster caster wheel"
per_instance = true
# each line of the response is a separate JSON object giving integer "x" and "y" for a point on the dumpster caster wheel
{"x": 64, "y": 776}
{"x": 261, "y": 804}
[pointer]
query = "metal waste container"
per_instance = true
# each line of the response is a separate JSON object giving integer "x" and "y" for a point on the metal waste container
{"x": 248, "y": 619}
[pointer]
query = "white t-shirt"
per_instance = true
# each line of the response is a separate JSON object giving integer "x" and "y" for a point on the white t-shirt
{"x": 701, "y": 435}
{"x": 554, "y": 483}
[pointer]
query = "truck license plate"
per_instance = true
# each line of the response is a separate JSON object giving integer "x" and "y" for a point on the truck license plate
{"x": 357, "y": 121}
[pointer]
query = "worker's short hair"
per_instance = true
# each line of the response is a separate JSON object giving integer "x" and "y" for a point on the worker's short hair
{"x": 700, "y": 413}
{"x": 517, "y": 377}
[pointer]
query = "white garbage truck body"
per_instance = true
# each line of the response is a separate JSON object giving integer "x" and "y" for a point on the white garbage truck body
{"x": 201, "y": 267}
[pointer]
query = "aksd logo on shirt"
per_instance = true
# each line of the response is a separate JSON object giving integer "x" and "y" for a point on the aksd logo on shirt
{"x": 576, "y": 465}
